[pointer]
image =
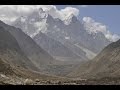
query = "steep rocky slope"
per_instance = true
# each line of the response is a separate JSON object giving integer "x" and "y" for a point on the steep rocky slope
{"x": 34, "y": 53}
{"x": 11, "y": 53}
{"x": 55, "y": 48}
{"x": 15, "y": 67}
{"x": 105, "y": 64}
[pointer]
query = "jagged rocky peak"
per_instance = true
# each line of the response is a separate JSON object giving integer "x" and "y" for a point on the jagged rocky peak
{"x": 42, "y": 13}
{"x": 37, "y": 15}
{"x": 49, "y": 18}
{"x": 70, "y": 19}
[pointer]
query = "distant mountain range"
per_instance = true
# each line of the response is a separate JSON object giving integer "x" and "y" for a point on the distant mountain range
{"x": 55, "y": 48}
{"x": 71, "y": 33}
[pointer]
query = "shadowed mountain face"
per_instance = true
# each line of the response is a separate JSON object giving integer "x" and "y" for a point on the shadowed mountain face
{"x": 105, "y": 64}
{"x": 34, "y": 53}
{"x": 15, "y": 67}
{"x": 11, "y": 54}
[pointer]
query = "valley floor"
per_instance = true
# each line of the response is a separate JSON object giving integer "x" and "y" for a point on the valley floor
{"x": 5, "y": 80}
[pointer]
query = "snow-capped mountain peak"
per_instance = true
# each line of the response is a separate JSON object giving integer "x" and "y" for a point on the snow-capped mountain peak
{"x": 33, "y": 23}
{"x": 67, "y": 20}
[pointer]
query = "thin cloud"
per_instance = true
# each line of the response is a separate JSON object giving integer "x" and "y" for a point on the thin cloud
{"x": 95, "y": 27}
{"x": 13, "y": 11}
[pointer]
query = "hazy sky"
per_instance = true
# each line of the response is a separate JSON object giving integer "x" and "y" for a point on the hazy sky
{"x": 106, "y": 14}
